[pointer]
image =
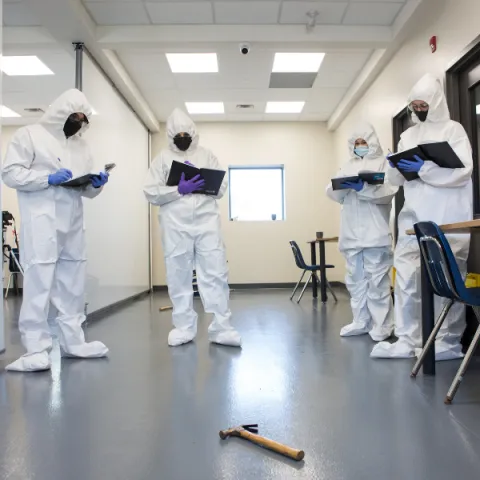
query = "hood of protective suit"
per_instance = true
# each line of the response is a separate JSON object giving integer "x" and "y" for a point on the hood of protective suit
{"x": 429, "y": 89}
{"x": 72, "y": 101}
{"x": 374, "y": 161}
{"x": 179, "y": 122}
{"x": 367, "y": 132}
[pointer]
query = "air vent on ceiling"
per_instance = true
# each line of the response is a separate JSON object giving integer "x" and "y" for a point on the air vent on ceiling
{"x": 245, "y": 106}
{"x": 34, "y": 110}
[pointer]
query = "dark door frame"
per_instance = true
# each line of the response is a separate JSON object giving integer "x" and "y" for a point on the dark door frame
{"x": 454, "y": 88}
{"x": 468, "y": 56}
{"x": 398, "y": 124}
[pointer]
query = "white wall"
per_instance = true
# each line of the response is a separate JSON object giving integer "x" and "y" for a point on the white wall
{"x": 258, "y": 252}
{"x": 456, "y": 23}
{"x": 117, "y": 221}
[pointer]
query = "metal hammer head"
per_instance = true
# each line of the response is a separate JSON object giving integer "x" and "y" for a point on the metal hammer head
{"x": 235, "y": 431}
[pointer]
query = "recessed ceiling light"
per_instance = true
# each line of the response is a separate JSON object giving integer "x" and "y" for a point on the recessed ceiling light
{"x": 24, "y": 65}
{"x": 284, "y": 107}
{"x": 198, "y": 108}
{"x": 193, "y": 62}
{"x": 6, "y": 112}
{"x": 297, "y": 62}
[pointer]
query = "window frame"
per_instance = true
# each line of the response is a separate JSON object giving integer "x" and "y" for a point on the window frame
{"x": 280, "y": 167}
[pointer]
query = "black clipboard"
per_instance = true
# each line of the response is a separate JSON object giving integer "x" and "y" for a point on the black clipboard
{"x": 213, "y": 178}
{"x": 372, "y": 178}
{"x": 85, "y": 180}
{"x": 439, "y": 152}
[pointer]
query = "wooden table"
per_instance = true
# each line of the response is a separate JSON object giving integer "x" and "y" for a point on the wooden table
{"x": 428, "y": 310}
{"x": 323, "y": 275}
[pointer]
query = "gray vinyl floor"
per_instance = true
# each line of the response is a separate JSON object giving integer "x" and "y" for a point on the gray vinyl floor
{"x": 150, "y": 412}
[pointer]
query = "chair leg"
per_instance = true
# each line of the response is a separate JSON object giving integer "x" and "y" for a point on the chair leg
{"x": 431, "y": 338}
{"x": 305, "y": 287}
{"x": 8, "y": 285}
{"x": 464, "y": 365}
{"x": 297, "y": 285}
{"x": 332, "y": 292}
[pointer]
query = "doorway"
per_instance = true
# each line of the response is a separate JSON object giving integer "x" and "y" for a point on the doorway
{"x": 400, "y": 122}
{"x": 463, "y": 95}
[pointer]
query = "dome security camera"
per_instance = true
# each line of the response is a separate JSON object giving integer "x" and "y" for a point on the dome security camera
{"x": 245, "y": 48}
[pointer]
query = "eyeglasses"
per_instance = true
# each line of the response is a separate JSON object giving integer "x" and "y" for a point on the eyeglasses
{"x": 418, "y": 107}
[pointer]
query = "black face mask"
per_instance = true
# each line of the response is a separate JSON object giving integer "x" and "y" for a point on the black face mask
{"x": 183, "y": 143}
{"x": 72, "y": 125}
{"x": 422, "y": 115}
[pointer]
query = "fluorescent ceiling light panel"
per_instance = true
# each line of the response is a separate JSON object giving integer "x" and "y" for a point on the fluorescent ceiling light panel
{"x": 297, "y": 62}
{"x": 199, "y": 108}
{"x": 193, "y": 62}
{"x": 284, "y": 107}
{"x": 27, "y": 65}
{"x": 8, "y": 113}
{"x": 478, "y": 109}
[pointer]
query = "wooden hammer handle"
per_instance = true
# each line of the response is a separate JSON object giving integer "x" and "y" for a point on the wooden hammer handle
{"x": 272, "y": 445}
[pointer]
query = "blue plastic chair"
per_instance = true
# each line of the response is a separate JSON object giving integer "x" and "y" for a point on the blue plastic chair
{"x": 312, "y": 269}
{"x": 446, "y": 281}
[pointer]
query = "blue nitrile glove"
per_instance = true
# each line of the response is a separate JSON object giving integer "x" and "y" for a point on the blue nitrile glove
{"x": 389, "y": 162}
{"x": 60, "y": 176}
{"x": 357, "y": 186}
{"x": 99, "y": 180}
{"x": 189, "y": 186}
{"x": 411, "y": 165}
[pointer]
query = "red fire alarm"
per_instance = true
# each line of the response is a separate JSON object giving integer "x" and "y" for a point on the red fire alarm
{"x": 433, "y": 44}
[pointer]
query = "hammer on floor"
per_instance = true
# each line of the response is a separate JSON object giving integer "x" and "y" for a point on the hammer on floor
{"x": 250, "y": 432}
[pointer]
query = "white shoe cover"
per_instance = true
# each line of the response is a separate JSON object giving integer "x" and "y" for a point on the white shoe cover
{"x": 379, "y": 336}
{"x": 354, "y": 329}
{"x": 230, "y": 338}
{"x": 86, "y": 350}
{"x": 178, "y": 337}
{"x": 31, "y": 362}
{"x": 399, "y": 349}
{"x": 443, "y": 352}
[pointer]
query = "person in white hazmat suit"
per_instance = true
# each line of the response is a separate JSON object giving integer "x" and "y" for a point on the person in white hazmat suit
{"x": 365, "y": 238}
{"x": 441, "y": 195}
{"x": 191, "y": 236}
{"x": 52, "y": 240}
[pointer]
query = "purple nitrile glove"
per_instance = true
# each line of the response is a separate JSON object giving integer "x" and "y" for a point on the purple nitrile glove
{"x": 411, "y": 165}
{"x": 189, "y": 186}
{"x": 357, "y": 186}
{"x": 100, "y": 180}
{"x": 392, "y": 165}
{"x": 59, "y": 177}
{"x": 188, "y": 163}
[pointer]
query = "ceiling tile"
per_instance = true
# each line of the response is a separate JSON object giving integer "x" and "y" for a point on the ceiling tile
{"x": 246, "y": 13}
{"x": 372, "y": 13}
{"x": 292, "y": 80}
{"x": 328, "y": 12}
{"x": 18, "y": 15}
{"x": 324, "y": 100}
{"x": 180, "y": 13}
{"x": 150, "y": 71}
{"x": 340, "y": 69}
{"x": 118, "y": 13}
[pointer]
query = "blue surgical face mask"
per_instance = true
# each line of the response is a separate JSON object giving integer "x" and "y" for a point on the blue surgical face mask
{"x": 361, "y": 151}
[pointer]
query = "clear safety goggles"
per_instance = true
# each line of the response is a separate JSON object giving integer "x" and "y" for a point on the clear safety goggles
{"x": 418, "y": 107}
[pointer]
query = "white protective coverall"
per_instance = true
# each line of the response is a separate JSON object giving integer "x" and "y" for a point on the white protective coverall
{"x": 366, "y": 241}
{"x": 191, "y": 238}
{"x": 52, "y": 239}
{"x": 441, "y": 195}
